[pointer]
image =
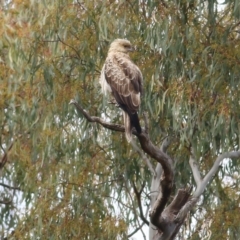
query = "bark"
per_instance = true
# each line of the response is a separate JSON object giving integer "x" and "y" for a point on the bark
{"x": 165, "y": 220}
{"x": 166, "y": 181}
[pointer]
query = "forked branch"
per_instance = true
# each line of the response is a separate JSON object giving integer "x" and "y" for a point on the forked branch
{"x": 202, "y": 183}
{"x": 166, "y": 182}
{"x": 168, "y": 220}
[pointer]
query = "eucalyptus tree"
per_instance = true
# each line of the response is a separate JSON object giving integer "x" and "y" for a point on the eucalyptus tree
{"x": 70, "y": 174}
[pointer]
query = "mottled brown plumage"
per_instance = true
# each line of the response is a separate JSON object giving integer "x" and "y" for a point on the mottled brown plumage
{"x": 123, "y": 79}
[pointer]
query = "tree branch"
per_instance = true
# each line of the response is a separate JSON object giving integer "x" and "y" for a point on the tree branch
{"x": 185, "y": 209}
{"x": 146, "y": 160}
{"x": 9, "y": 187}
{"x": 6, "y": 202}
{"x": 136, "y": 230}
{"x": 166, "y": 181}
{"x": 111, "y": 126}
{"x": 138, "y": 196}
{"x": 165, "y": 144}
{"x": 201, "y": 186}
{"x": 195, "y": 171}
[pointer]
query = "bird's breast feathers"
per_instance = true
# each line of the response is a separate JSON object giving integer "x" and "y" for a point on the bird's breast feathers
{"x": 122, "y": 73}
{"x": 123, "y": 78}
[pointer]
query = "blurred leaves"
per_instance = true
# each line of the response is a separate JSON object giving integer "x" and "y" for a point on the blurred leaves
{"x": 74, "y": 177}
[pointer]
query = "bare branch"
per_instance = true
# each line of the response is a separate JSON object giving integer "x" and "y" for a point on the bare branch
{"x": 201, "y": 187}
{"x": 156, "y": 183}
{"x": 195, "y": 170}
{"x": 166, "y": 181}
{"x": 136, "y": 230}
{"x": 145, "y": 142}
{"x": 141, "y": 154}
{"x": 111, "y": 126}
{"x": 71, "y": 47}
{"x": 161, "y": 157}
{"x": 138, "y": 196}
{"x": 185, "y": 209}
{"x": 165, "y": 144}
{"x": 9, "y": 187}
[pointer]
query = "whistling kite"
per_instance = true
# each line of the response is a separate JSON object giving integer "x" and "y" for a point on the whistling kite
{"x": 124, "y": 80}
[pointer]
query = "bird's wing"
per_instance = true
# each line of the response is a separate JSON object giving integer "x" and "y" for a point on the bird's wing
{"x": 125, "y": 80}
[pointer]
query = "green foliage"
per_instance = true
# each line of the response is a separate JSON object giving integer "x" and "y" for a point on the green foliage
{"x": 73, "y": 180}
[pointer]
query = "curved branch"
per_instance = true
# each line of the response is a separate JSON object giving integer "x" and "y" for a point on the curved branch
{"x": 138, "y": 150}
{"x": 166, "y": 182}
{"x": 156, "y": 153}
{"x": 146, "y": 144}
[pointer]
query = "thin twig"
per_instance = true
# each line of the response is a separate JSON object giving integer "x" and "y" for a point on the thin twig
{"x": 9, "y": 187}
{"x": 71, "y": 47}
{"x": 138, "y": 196}
{"x": 6, "y": 202}
{"x": 136, "y": 230}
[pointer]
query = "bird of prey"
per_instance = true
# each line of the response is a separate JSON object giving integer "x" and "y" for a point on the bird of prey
{"x": 123, "y": 79}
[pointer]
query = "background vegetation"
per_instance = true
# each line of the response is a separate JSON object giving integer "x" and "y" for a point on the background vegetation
{"x": 64, "y": 178}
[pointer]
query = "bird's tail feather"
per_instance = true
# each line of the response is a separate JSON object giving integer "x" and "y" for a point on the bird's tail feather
{"x": 131, "y": 121}
{"x": 128, "y": 126}
{"x": 135, "y": 122}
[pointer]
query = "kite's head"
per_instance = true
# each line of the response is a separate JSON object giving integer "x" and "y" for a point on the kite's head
{"x": 121, "y": 45}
